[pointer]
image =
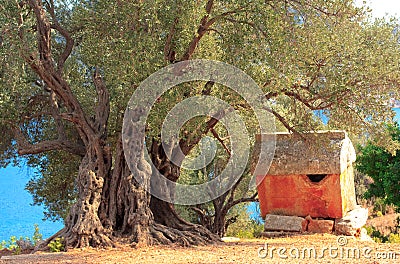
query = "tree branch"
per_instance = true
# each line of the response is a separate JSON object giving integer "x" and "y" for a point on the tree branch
{"x": 215, "y": 134}
{"x": 36, "y": 115}
{"x": 199, "y": 211}
{"x": 54, "y": 106}
{"x": 169, "y": 53}
{"x": 307, "y": 103}
{"x": 230, "y": 221}
{"x": 257, "y": 28}
{"x": 234, "y": 187}
{"x": 55, "y": 112}
{"x": 241, "y": 200}
{"x": 47, "y": 71}
{"x": 283, "y": 121}
{"x": 207, "y": 88}
{"x": 187, "y": 145}
{"x": 200, "y": 32}
{"x": 205, "y": 25}
{"x": 45, "y": 67}
{"x": 38, "y": 100}
{"x": 24, "y": 147}
{"x": 69, "y": 41}
{"x": 45, "y": 146}
{"x": 103, "y": 104}
{"x": 205, "y": 220}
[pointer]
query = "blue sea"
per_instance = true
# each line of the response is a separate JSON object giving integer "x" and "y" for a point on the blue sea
{"x": 397, "y": 110}
{"x": 18, "y": 216}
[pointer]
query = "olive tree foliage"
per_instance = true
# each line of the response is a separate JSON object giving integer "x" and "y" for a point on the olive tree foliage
{"x": 68, "y": 69}
{"x": 53, "y": 184}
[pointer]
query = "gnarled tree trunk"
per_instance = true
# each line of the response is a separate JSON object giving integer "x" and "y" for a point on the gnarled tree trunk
{"x": 125, "y": 203}
{"x": 83, "y": 226}
{"x": 165, "y": 213}
{"x": 126, "y": 209}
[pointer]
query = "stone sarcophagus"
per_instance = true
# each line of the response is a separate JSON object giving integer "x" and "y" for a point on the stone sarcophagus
{"x": 310, "y": 175}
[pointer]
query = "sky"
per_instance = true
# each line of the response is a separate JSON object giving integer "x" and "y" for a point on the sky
{"x": 380, "y": 8}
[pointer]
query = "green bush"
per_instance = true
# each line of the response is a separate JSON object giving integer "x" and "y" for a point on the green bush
{"x": 57, "y": 245}
{"x": 394, "y": 238}
{"x": 37, "y": 236}
{"x": 383, "y": 167}
{"x": 378, "y": 237}
{"x": 3, "y": 245}
{"x": 244, "y": 234}
{"x": 246, "y": 229}
{"x": 369, "y": 229}
{"x": 12, "y": 245}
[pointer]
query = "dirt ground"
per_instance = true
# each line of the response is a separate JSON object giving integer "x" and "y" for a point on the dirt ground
{"x": 316, "y": 248}
{"x": 312, "y": 248}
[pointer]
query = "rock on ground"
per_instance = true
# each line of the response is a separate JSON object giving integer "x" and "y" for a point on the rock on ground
{"x": 285, "y": 223}
{"x": 352, "y": 222}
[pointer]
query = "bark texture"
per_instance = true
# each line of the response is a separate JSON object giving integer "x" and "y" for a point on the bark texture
{"x": 125, "y": 202}
{"x": 83, "y": 226}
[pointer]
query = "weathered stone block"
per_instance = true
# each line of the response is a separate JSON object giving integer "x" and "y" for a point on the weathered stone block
{"x": 312, "y": 177}
{"x": 320, "y": 226}
{"x": 296, "y": 195}
{"x": 320, "y": 152}
{"x": 285, "y": 223}
{"x": 352, "y": 222}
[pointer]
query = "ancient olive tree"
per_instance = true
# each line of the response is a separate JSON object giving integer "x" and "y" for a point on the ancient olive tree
{"x": 68, "y": 69}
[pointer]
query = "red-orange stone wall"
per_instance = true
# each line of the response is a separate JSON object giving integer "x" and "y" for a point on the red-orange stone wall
{"x": 297, "y": 195}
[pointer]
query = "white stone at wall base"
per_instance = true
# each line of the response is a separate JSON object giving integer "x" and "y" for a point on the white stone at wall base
{"x": 352, "y": 222}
